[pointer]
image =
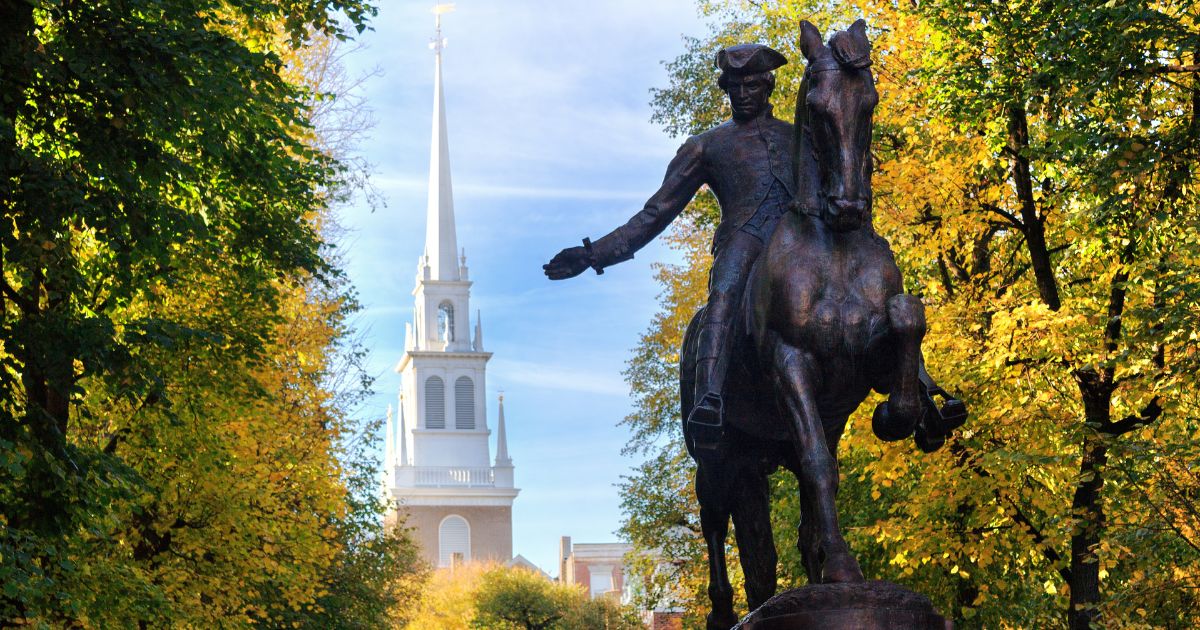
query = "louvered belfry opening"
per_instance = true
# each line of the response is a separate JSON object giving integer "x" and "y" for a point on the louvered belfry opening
{"x": 435, "y": 403}
{"x": 464, "y": 403}
{"x": 446, "y": 322}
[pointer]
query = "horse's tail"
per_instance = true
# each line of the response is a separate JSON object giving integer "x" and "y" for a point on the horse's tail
{"x": 687, "y": 373}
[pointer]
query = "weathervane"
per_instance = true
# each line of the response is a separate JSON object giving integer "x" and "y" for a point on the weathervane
{"x": 437, "y": 43}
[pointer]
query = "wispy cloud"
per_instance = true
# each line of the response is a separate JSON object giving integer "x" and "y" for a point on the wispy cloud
{"x": 372, "y": 312}
{"x": 492, "y": 191}
{"x": 561, "y": 377}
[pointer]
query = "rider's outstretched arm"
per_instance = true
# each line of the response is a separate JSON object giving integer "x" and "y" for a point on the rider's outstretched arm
{"x": 685, "y": 175}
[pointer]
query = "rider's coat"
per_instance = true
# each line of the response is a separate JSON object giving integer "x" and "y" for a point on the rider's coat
{"x": 738, "y": 160}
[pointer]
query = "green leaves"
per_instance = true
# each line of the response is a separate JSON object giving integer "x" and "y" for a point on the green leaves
{"x": 160, "y": 266}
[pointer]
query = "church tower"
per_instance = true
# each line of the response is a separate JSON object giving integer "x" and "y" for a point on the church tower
{"x": 439, "y": 470}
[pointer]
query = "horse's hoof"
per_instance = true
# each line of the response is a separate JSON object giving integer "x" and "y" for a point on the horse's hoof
{"x": 841, "y": 567}
{"x": 890, "y": 427}
{"x": 927, "y": 442}
{"x": 720, "y": 622}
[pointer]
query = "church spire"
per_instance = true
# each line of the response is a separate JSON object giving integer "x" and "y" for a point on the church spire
{"x": 441, "y": 242}
{"x": 502, "y": 458}
{"x": 478, "y": 345}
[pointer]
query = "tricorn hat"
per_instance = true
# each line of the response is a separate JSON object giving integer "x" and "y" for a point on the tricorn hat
{"x": 749, "y": 59}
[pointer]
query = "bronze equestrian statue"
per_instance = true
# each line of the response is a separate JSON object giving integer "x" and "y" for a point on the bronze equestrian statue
{"x": 807, "y": 313}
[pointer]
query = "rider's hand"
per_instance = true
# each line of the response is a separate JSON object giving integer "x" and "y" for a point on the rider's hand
{"x": 568, "y": 263}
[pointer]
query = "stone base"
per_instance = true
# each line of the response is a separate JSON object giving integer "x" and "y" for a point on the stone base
{"x": 858, "y": 606}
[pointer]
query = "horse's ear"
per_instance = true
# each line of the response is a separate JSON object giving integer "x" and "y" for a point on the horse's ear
{"x": 859, "y": 29}
{"x": 810, "y": 40}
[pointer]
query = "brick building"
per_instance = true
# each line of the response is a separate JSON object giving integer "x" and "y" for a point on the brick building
{"x": 598, "y": 567}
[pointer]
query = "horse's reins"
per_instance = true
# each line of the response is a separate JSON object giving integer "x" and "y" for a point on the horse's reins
{"x": 802, "y": 134}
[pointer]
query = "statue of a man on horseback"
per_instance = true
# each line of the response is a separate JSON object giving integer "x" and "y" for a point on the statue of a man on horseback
{"x": 806, "y": 316}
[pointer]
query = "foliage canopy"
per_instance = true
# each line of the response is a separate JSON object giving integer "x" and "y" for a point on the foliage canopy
{"x": 175, "y": 445}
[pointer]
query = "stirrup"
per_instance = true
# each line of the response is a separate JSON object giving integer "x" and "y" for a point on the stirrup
{"x": 706, "y": 420}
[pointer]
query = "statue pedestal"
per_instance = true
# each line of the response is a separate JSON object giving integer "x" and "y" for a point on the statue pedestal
{"x": 858, "y": 606}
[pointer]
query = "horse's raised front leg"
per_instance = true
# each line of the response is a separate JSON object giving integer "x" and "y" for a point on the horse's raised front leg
{"x": 895, "y": 418}
{"x": 712, "y": 489}
{"x": 755, "y": 541}
{"x": 818, "y": 473}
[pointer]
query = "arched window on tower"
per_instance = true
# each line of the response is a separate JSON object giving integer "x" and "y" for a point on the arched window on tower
{"x": 435, "y": 403}
{"x": 464, "y": 403}
{"x": 446, "y": 322}
{"x": 454, "y": 541}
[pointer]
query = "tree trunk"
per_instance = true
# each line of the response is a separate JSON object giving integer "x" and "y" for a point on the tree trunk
{"x": 46, "y": 370}
{"x": 1087, "y": 507}
{"x": 966, "y": 591}
{"x": 1034, "y": 225}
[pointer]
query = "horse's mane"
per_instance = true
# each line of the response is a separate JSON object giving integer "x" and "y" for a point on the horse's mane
{"x": 804, "y": 159}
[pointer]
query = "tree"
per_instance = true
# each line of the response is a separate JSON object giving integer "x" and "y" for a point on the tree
{"x": 1035, "y": 174}
{"x": 448, "y": 600}
{"x": 170, "y": 449}
{"x": 606, "y": 613}
{"x": 521, "y": 600}
{"x": 491, "y": 596}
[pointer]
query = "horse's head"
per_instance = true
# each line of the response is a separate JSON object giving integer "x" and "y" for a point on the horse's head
{"x": 836, "y": 104}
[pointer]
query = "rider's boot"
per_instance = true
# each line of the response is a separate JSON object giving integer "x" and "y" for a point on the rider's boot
{"x": 706, "y": 421}
{"x": 707, "y": 418}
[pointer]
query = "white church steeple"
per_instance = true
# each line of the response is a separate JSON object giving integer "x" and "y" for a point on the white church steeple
{"x": 441, "y": 242}
{"x": 457, "y": 498}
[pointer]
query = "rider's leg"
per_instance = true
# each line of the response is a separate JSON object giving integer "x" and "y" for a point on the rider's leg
{"x": 725, "y": 284}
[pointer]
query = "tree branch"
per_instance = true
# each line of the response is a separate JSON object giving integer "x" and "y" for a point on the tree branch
{"x": 1132, "y": 422}
{"x": 1040, "y": 540}
{"x": 1018, "y": 515}
{"x": 1010, "y": 217}
{"x": 1171, "y": 68}
{"x": 1034, "y": 225}
{"x": 120, "y": 434}
{"x": 26, "y": 305}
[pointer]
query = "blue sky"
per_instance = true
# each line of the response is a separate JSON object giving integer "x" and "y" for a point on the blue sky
{"x": 550, "y": 141}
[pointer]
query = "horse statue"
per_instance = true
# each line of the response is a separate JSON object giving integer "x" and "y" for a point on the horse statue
{"x": 823, "y": 321}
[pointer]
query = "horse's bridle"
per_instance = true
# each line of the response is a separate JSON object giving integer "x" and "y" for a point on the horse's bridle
{"x": 825, "y": 64}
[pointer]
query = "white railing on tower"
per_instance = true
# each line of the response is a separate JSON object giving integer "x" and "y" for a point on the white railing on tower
{"x": 443, "y": 476}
